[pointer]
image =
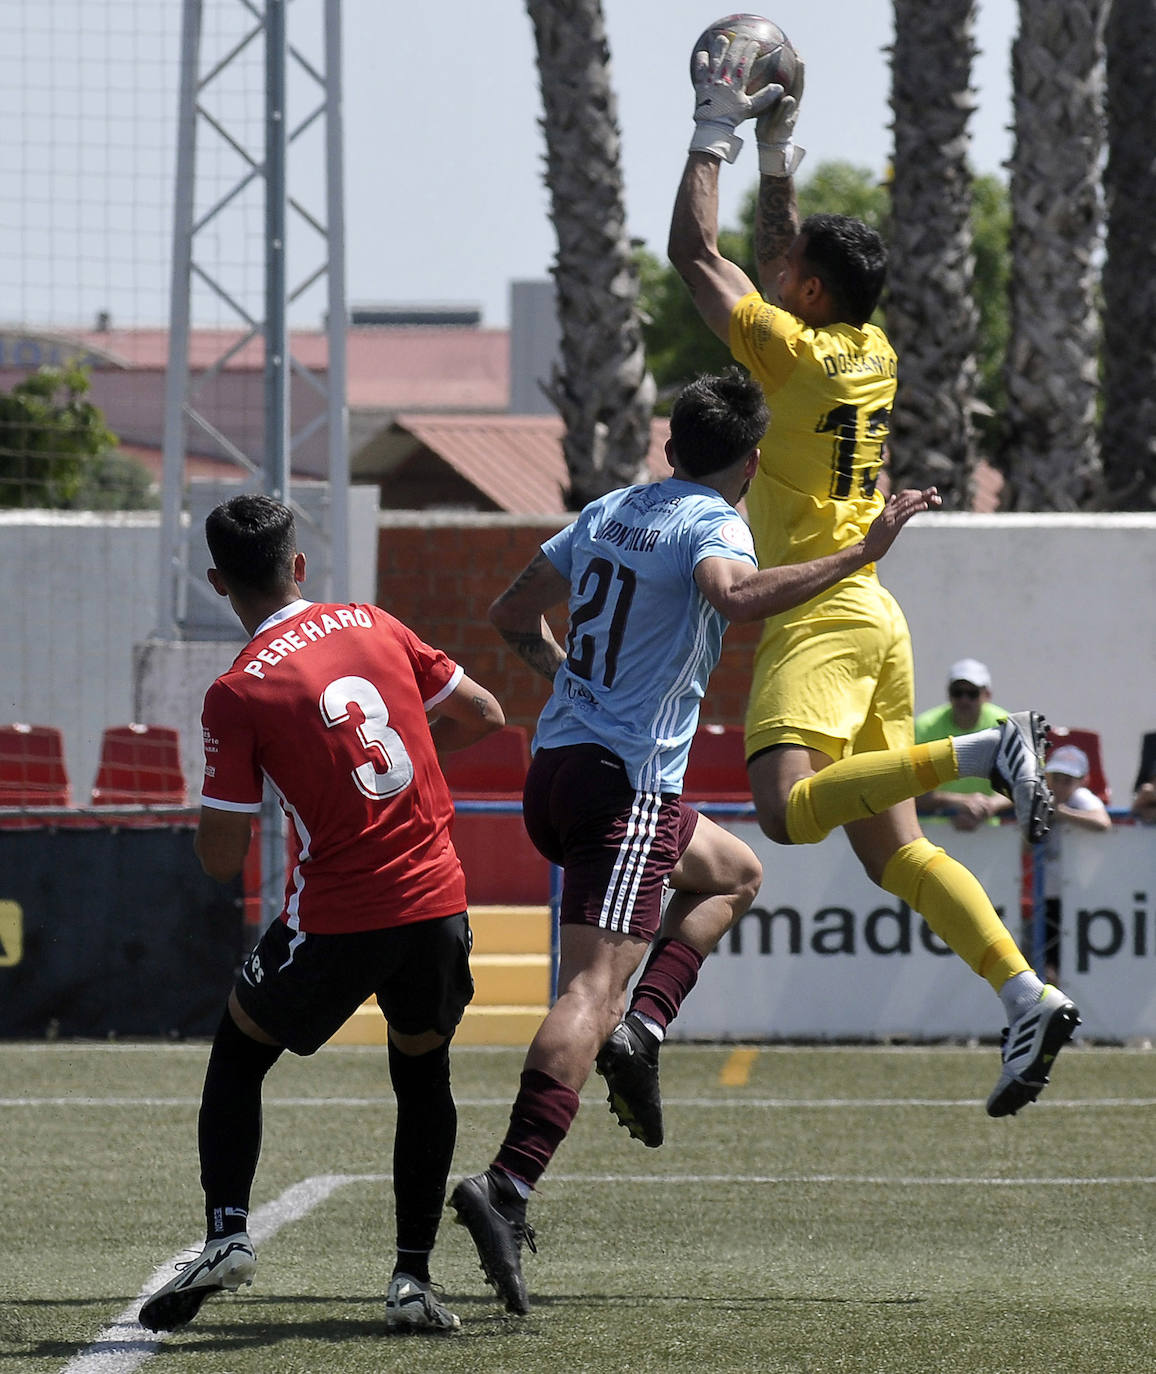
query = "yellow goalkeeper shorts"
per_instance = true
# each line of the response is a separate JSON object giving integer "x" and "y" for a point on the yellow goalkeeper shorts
{"x": 835, "y": 674}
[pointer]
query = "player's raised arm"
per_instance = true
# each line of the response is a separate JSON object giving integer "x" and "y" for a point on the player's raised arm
{"x": 714, "y": 282}
{"x": 721, "y": 74}
{"x": 776, "y": 208}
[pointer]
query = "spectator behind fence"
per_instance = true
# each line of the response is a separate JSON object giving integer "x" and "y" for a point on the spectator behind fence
{"x": 968, "y": 802}
{"x": 1144, "y": 798}
{"x": 1076, "y": 806}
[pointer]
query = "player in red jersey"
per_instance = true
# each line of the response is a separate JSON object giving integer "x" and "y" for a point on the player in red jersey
{"x": 345, "y": 711}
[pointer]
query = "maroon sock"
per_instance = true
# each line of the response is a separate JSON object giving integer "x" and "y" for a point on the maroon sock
{"x": 670, "y": 973}
{"x": 539, "y": 1119}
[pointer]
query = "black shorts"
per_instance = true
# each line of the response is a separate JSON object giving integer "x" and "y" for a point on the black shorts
{"x": 616, "y": 846}
{"x": 301, "y": 989}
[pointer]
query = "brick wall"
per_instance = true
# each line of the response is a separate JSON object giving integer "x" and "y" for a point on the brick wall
{"x": 439, "y": 573}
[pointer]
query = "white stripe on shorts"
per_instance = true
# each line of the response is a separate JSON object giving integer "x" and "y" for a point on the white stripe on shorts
{"x": 629, "y": 866}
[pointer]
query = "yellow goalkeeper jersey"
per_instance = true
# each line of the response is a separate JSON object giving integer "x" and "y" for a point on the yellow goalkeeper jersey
{"x": 830, "y": 391}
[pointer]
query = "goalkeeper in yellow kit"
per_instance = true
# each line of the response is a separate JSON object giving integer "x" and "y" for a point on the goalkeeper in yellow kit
{"x": 829, "y": 730}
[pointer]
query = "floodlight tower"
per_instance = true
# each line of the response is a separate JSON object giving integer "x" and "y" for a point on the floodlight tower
{"x": 188, "y": 609}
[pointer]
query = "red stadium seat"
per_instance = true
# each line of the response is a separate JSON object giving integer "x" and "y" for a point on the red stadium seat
{"x": 717, "y": 767}
{"x": 494, "y": 768}
{"x": 140, "y": 765}
{"x": 32, "y": 771}
{"x": 1089, "y": 742}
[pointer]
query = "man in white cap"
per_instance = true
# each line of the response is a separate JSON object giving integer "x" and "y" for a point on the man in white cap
{"x": 1076, "y": 806}
{"x": 969, "y": 802}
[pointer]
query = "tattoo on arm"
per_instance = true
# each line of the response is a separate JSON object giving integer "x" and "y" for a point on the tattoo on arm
{"x": 542, "y": 654}
{"x": 777, "y": 218}
{"x": 482, "y": 706}
{"x": 528, "y": 573}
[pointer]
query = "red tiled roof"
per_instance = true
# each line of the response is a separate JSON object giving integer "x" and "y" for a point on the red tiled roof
{"x": 196, "y": 464}
{"x": 514, "y": 460}
{"x": 441, "y": 367}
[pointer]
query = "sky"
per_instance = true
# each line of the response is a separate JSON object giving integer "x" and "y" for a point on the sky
{"x": 445, "y": 199}
{"x": 473, "y": 170}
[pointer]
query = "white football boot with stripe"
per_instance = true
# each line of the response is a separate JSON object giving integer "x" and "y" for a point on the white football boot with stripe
{"x": 411, "y": 1305}
{"x": 1030, "y": 1044}
{"x": 226, "y": 1263}
{"x": 1018, "y": 772}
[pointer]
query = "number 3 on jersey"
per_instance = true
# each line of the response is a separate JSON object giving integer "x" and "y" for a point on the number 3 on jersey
{"x": 389, "y": 769}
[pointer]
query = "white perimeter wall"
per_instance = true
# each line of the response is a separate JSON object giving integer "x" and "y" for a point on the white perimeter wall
{"x": 1061, "y": 608}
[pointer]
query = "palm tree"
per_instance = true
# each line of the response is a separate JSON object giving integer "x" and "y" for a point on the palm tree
{"x": 931, "y": 313}
{"x": 1050, "y": 452}
{"x": 1128, "y": 423}
{"x": 603, "y": 391}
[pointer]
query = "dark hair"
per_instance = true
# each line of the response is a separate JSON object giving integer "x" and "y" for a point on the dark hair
{"x": 850, "y": 259}
{"x": 253, "y": 540}
{"x": 716, "y": 421}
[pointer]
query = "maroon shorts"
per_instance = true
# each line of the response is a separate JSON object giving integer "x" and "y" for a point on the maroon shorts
{"x": 615, "y": 846}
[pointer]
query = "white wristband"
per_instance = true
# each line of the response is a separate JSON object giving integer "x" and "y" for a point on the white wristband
{"x": 718, "y": 139}
{"x": 780, "y": 159}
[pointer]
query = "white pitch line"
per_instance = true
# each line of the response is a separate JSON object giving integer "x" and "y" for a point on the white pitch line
{"x": 124, "y": 1343}
{"x": 872, "y": 1180}
{"x": 712, "y": 1103}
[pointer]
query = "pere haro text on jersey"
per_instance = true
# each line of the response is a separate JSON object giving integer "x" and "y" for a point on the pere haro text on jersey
{"x": 307, "y": 632}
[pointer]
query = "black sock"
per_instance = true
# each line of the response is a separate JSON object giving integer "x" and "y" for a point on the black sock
{"x": 229, "y": 1125}
{"x": 415, "y": 1263}
{"x": 423, "y": 1149}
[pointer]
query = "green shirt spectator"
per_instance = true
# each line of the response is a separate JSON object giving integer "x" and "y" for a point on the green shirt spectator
{"x": 968, "y": 802}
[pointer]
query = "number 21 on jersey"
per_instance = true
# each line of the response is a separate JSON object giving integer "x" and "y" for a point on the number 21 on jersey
{"x": 599, "y": 580}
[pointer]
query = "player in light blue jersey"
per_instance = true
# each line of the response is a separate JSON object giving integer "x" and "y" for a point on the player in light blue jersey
{"x": 630, "y": 561}
{"x": 651, "y": 574}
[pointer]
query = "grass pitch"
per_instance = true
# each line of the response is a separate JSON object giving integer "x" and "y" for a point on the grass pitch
{"x": 813, "y": 1211}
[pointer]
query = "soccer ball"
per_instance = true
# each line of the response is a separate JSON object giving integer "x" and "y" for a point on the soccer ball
{"x": 777, "y": 60}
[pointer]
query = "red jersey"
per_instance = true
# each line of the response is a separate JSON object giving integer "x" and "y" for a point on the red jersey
{"x": 329, "y": 703}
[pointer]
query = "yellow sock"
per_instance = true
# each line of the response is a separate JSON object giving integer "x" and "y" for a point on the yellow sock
{"x": 864, "y": 785}
{"x": 951, "y": 899}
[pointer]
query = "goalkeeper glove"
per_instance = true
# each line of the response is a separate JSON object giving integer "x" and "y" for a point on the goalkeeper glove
{"x": 720, "y": 100}
{"x": 779, "y": 155}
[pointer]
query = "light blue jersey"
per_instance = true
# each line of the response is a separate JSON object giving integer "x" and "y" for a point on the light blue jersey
{"x": 643, "y": 640}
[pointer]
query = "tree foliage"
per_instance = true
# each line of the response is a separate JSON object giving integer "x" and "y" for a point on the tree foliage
{"x": 114, "y": 481}
{"x": 49, "y": 431}
{"x": 57, "y": 452}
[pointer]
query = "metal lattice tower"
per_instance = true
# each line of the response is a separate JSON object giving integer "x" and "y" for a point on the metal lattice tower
{"x": 325, "y": 520}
